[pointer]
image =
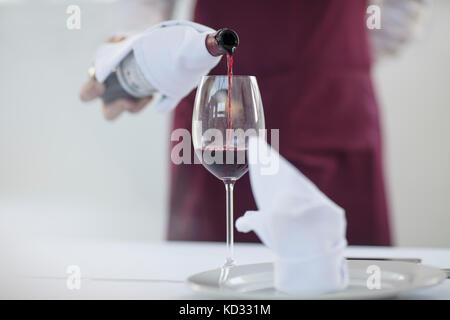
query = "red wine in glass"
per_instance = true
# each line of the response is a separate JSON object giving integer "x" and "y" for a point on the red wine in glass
{"x": 230, "y": 99}
{"x": 226, "y": 163}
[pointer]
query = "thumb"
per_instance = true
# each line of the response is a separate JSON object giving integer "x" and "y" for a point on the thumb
{"x": 91, "y": 90}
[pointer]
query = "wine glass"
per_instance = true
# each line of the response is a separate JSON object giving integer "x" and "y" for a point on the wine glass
{"x": 222, "y": 122}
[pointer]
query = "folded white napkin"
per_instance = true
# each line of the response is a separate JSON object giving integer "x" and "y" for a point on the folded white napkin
{"x": 172, "y": 56}
{"x": 304, "y": 228}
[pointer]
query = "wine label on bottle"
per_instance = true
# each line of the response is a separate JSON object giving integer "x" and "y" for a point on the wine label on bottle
{"x": 132, "y": 79}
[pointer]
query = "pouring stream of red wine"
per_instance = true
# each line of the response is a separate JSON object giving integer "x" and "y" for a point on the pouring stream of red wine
{"x": 230, "y": 86}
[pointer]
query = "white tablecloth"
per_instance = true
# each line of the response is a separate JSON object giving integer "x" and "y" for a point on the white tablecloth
{"x": 139, "y": 270}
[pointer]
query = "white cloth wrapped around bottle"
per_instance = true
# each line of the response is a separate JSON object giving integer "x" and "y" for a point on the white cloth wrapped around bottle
{"x": 304, "y": 228}
{"x": 171, "y": 55}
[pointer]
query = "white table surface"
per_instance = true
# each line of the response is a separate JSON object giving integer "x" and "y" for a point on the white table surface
{"x": 157, "y": 270}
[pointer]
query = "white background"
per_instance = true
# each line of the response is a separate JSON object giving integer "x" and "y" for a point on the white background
{"x": 65, "y": 170}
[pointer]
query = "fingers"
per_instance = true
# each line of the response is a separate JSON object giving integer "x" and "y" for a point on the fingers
{"x": 91, "y": 90}
{"x": 113, "y": 110}
{"x": 139, "y": 105}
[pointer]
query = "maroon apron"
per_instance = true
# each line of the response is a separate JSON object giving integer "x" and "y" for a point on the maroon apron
{"x": 313, "y": 66}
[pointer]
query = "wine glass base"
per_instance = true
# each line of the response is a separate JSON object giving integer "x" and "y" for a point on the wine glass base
{"x": 225, "y": 270}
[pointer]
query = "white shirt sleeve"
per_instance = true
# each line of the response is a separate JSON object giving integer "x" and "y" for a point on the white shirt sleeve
{"x": 401, "y": 22}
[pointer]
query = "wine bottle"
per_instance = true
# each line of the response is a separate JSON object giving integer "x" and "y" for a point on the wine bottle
{"x": 128, "y": 81}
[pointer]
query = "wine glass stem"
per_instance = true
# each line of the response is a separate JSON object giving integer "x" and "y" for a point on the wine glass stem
{"x": 229, "y": 185}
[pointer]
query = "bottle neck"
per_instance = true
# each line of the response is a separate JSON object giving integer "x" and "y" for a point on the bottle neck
{"x": 224, "y": 41}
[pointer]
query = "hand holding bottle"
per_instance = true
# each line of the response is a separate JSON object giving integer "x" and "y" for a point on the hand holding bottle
{"x": 94, "y": 89}
{"x": 168, "y": 59}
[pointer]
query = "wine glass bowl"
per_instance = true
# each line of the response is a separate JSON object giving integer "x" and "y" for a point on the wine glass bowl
{"x": 222, "y": 123}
